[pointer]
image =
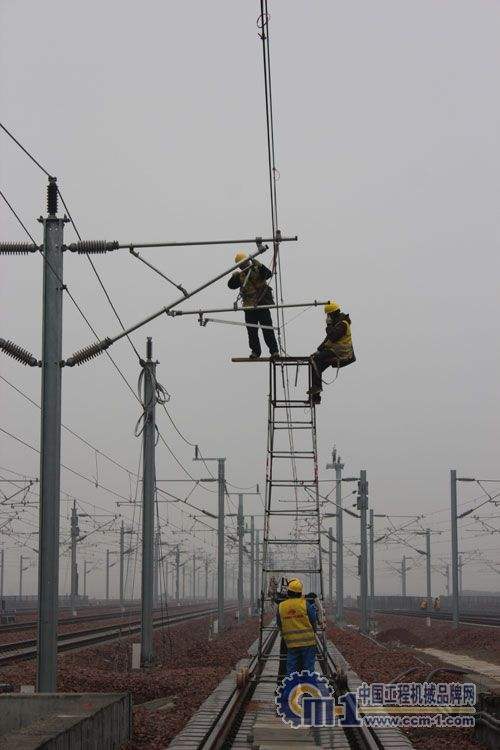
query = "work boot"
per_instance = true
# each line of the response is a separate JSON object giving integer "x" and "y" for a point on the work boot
{"x": 254, "y": 355}
{"x": 314, "y": 394}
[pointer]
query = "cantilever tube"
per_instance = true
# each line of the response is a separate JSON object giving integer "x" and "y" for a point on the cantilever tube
{"x": 111, "y": 340}
{"x": 314, "y": 303}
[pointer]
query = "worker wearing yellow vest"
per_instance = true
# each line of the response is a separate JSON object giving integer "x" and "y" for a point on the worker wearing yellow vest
{"x": 336, "y": 350}
{"x": 251, "y": 280}
{"x": 296, "y": 620}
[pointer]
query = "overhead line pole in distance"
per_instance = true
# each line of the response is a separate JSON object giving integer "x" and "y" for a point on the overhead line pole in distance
{"x": 241, "y": 536}
{"x": 363, "y": 507}
{"x": 148, "y": 494}
{"x": 221, "y": 485}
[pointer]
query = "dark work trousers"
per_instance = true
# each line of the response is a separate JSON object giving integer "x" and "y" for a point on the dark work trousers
{"x": 321, "y": 360}
{"x": 264, "y": 318}
{"x": 282, "y": 662}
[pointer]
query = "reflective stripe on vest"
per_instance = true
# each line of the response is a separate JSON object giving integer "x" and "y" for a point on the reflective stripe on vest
{"x": 343, "y": 347}
{"x": 296, "y": 627}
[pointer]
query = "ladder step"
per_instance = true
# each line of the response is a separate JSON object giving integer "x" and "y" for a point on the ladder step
{"x": 291, "y": 570}
{"x": 292, "y": 541}
{"x": 292, "y": 404}
{"x": 292, "y": 427}
{"x": 297, "y": 511}
{"x": 292, "y": 454}
{"x": 288, "y": 424}
{"x": 291, "y": 483}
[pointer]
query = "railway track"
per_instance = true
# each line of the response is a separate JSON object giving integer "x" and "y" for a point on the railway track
{"x": 117, "y": 615}
{"x": 484, "y": 619}
{"x": 242, "y": 714}
{"x": 21, "y": 650}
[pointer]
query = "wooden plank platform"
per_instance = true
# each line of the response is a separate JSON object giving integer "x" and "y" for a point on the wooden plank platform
{"x": 299, "y": 360}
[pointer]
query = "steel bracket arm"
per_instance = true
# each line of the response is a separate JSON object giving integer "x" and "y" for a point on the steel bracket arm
{"x": 83, "y": 355}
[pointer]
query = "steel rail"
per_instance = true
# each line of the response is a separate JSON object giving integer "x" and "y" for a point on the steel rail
{"x": 469, "y": 619}
{"x": 363, "y": 737}
{"x": 227, "y": 719}
{"x": 22, "y": 650}
{"x": 118, "y": 615}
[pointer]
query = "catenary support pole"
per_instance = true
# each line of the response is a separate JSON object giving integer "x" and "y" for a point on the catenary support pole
{"x": 193, "y": 591}
{"x": 74, "y": 570}
{"x": 107, "y": 575}
{"x": 339, "y": 580}
{"x": 252, "y": 563}
{"x": 122, "y": 561}
{"x": 177, "y": 564}
{"x": 403, "y": 576}
{"x": 363, "y": 506}
{"x": 221, "y": 462}
{"x": 148, "y": 494}
{"x": 85, "y": 578}
{"x": 330, "y": 566}
{"x": 428, "y": 567}
{"x": 2, "y": 563}
{"x": 241, "y": 532}
{"x": 372, "y": 563}
{"x": 454, "y": 549}
{"x": 206, "y": 577}
{"x": 50, "y": 446}
{"x": 156, "y": 567}
{"x": 21, "y": 558}
{"x": 257, "y": 571}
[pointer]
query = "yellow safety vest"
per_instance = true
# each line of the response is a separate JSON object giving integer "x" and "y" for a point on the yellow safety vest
{"x": 296, "y": 627}
{"x": 342, "y": 348}
{"x": 256, "y": 291}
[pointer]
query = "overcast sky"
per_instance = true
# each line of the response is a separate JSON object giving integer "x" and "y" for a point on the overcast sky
{"x": 151, "y": 115}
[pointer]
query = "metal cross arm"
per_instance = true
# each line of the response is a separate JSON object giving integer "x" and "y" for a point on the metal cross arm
{"x": 247, "y": 308}
{"x": 89, "y": 352}
{"x": 195, "y": 243}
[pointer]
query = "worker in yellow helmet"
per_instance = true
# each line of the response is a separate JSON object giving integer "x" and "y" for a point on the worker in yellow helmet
{"x": 296, "y": 620}
{"x": 336, "y": 350}
{"x": 250, "y": 279}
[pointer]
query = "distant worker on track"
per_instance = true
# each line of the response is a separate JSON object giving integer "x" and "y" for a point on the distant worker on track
{"x": 336, "y": 350}
{"x": 296, "y": 620}
{"x": 251, "y": 280}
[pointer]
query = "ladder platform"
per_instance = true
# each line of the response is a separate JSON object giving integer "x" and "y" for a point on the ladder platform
{"x": 299, "y": 360}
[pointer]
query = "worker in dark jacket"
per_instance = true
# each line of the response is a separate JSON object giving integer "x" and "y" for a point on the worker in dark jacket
{"x": 251, "y": 281}
{"x": 336, "y": 350}
{"x": 296, "y": 619}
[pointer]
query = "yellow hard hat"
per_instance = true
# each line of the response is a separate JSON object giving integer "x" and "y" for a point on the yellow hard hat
{"x": 239, "y": 257}
{"x": 295, "y": 586}
{"x": 331, "y": 306}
